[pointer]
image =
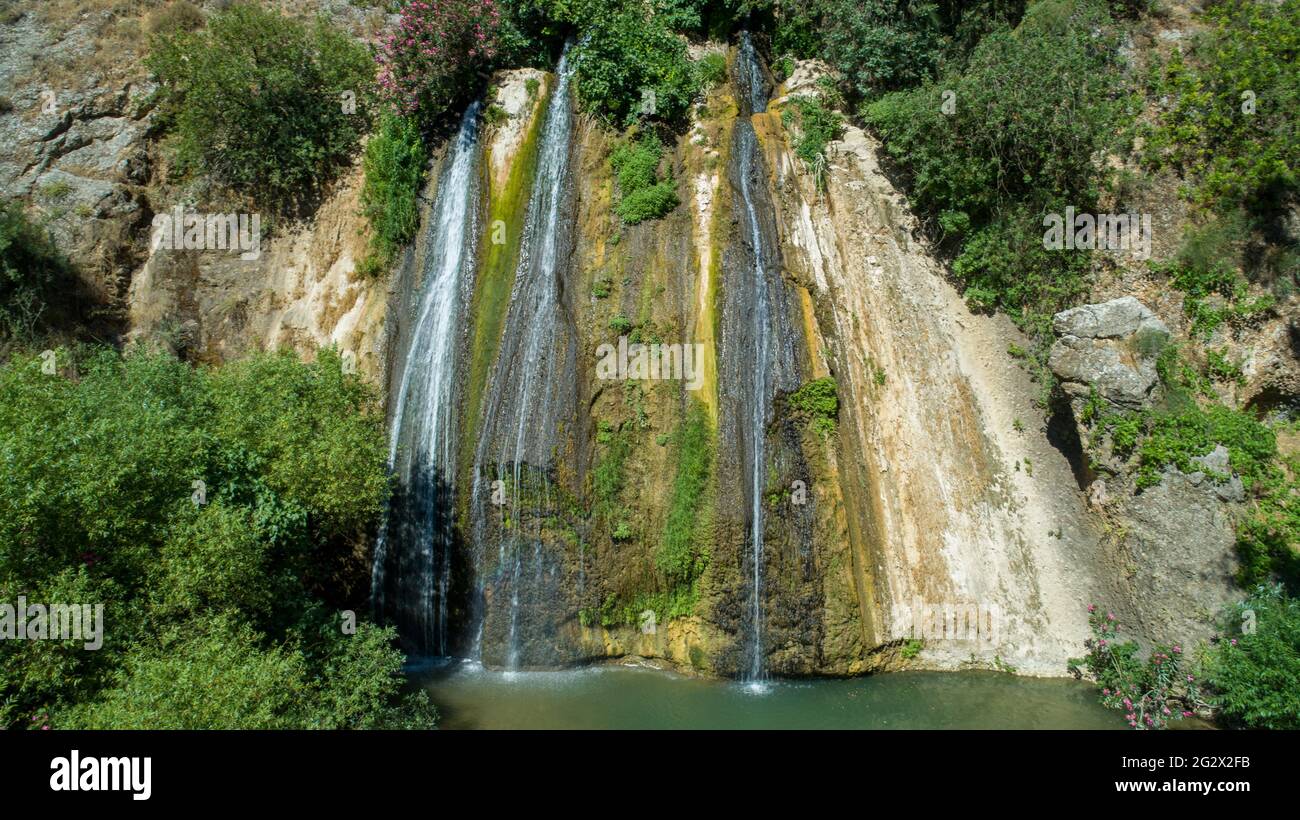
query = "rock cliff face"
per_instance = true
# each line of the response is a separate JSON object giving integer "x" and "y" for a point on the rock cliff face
{"x": 941, "y": 520}
{"x": 925, "y": 500}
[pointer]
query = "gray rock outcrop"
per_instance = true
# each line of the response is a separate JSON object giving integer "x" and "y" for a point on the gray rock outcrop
{"x": 1112, "y": 346}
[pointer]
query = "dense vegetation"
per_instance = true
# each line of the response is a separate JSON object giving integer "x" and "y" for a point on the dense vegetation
{"x": 394, "y": 166}
{"x": 32, "y": 272}
{"x": 263, "y": 103}
{"x": 218, "y": 515}
{"x": 642, "y": 194}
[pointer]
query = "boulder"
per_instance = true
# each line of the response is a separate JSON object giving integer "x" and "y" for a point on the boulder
{"x": 1112, "y": 346}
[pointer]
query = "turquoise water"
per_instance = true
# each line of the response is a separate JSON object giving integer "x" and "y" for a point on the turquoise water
{"x": 625, "y": 697}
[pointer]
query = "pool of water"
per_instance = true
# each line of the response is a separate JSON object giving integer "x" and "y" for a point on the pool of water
{"x": 627, "y": 697}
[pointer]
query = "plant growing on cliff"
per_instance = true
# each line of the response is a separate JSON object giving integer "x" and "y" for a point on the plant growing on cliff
{"x": 681, "y": 556}
{"x": 818, "y": 403}
{"x": 818, "y": 125}
{"x": 987, "y": 168}
{"x": 258, "y": 101}
{"x": 432, "y": 57}
{"x": 1146, "y": 690}
{"x": 1231, "y": 121}
{"x": 642, "y": 195}
{"x": 32, "y": 271}
{"x": 394, "y": 169}
{"x": 629, "y": 50}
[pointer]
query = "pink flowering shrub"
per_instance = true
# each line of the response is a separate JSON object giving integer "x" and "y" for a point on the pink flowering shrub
{"x": 436, "y": 49}
{"x": 1150, "y": 691}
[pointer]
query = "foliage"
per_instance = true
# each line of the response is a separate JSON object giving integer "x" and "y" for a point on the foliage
{"x": 1231, "y": 121}
{"x": 681, "y": 557}
{"x": 427, "y": 63}
{"x": 1008, "y": 153}
{"x": 881, "y": 45}
{"x": 31, "y": 271}
{"x": 817, "y": 402}
{"x": 257, "y": 100}
{"x": 1268, "y": 539}
{"x": 642, "y": 194}
{"x": 1207, "y": 269}
{"x": 394, "y": 169}
{"x": 818, "y": 125}
{"x": 1253, "y": 673}
{"x": 214, "y": 593}
{"x": 628, "y": 49}
{"x": 711, "y": 69}
{"x": 1142, "y": 688}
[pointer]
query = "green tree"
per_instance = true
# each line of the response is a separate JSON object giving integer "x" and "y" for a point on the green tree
{"x": 258, "y": 101}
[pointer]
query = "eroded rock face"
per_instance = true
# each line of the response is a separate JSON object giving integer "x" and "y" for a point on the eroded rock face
{"x": 1111, "y": 346}
{"x": 1179, "y": 549}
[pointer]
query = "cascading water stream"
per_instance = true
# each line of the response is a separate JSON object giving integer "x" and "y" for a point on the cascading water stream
{"x": 754, "y": 97}
{"x": 412, "y": 569}
{"x": 519, "y": 418}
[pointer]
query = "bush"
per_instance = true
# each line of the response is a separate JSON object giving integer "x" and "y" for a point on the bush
{"x": 881, "y": 45}
{"x": 31, "y": 272}
{"x": 394, "y": 171}
{"x": 432, "y": 58}
{"x": 1254, "y": 672}
{"x": 1237, "y": 156}
{"x": 1142, "y": 688}
{"x": 213, "y": 603}
{"x": 711, "y": 69}
{"x": 257, "y": 102}
{"x": 818, "y": 125}
{"x": 642, "y": 194}
{"x": 181, "y": 15}
{"x": 1207, "y": 265}
{"x": 625, "y": 52}
{"x": 1008, "y": 153}
{"x": 818, "y": 402}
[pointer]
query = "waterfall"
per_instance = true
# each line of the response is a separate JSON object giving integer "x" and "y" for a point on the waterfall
{"x": 412, "y": 568}
{"x": 766, "y": 346}
{"x": 519, "y": 426}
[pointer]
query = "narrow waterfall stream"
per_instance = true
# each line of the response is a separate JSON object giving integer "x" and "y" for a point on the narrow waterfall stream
{"x": 412, "y": 565}
{"x": 521, "y": 415}
{"x": 765, "y": 361}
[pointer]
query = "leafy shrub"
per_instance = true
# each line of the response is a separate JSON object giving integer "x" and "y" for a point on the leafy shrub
{"x": 1142, "y": 688}
{"x": 257, "y": 100}
{"x": 881, "y": 45}
{"x": 1208, "y": 265}
{"x": 818, "y": 402}
{"x": 1236, "y": 155}
{"x": 1268, "y": 539}
{"x": 1254, "y": 672}
{"x": 214, "y": 611}
{"x": 432, "y": 57}
{"x": 394, "y": 170}
{"x": 624, "y": 52}
{"x": 818, "y": 125}
{"x": 1173, "y": 439}
{"x": 31, "y": 271}
{"x": 642, "y": 194}
{"x": 711, "y": 69}
{"x": 1008, "y": 153}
